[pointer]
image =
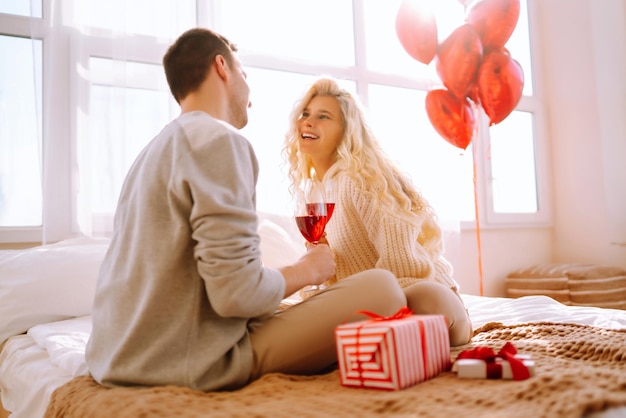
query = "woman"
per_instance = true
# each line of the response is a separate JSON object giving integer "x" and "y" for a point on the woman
{"x": 380, "y": 219}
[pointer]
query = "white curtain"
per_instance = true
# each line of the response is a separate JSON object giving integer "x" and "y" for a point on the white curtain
{"x": 105, "y": 97}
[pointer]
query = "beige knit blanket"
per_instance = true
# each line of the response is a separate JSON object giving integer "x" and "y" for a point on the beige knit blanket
{"x": 579, "y": 369}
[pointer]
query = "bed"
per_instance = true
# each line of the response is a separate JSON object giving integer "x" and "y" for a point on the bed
{"x": 45, "y": 299}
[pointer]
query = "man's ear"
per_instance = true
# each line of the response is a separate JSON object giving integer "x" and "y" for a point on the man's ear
{"x": 220, "y": 66}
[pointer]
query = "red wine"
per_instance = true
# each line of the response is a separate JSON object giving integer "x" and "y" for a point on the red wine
{"x": 311, "y": 227}
{"x": 330, "y": 207}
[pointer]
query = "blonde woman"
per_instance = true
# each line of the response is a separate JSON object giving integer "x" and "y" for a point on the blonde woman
{"x": 380, "y": 219}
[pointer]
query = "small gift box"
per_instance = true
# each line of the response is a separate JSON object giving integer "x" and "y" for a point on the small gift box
{"x": 392, "y": 352}
{"x": 484, "y": 363}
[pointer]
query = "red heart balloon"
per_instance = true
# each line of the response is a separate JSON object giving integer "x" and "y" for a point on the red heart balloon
{"x": 472, "y": 93}
{"x": 417, "y": 30}
{"x": 500, "y": 85}
{"x": 458, "y": 58}
{"x": 494, "y": 20}
{"x": 451, "y": 117}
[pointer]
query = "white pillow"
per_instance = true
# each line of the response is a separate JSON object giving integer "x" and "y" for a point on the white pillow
{"x": 48, "y": 283}
{"x": 278, "y": 248}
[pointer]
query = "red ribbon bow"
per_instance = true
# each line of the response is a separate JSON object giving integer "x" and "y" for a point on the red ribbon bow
{"x": 494, "y": 368}
{"x": 403, "y": 312}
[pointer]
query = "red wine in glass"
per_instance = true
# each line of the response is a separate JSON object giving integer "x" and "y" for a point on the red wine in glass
{"x": 330, "y": 207}
{"x": 311, "y": 214}
{"x": 312, "y": 225}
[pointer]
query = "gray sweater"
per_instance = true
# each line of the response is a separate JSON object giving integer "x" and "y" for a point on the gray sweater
{"x": 183, "y": 274}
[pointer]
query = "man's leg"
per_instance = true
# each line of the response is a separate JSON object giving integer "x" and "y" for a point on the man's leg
{"x": 301, "y": 339}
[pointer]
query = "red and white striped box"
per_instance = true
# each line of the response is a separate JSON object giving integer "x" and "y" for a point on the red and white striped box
{"x": 394, "y": 353}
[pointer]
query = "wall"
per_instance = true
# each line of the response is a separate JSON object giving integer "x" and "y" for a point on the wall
{"x": 502, "y": 251}
{"x": 584, "y": 62}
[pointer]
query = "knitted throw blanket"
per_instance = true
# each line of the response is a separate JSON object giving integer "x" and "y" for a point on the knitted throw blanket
{"x": 579, "y": 369}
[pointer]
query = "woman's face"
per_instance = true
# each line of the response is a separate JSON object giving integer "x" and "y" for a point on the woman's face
{"x": 320, "y": 128}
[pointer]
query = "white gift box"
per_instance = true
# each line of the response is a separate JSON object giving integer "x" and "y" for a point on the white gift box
{"x": 498, "y": 369}
{"x": 393, "y": 353}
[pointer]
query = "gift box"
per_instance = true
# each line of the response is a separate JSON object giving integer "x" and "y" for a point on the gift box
{"x": 394, "y": 352}
{"x": 484, "y": 363}
{"x": 498, "y": 369}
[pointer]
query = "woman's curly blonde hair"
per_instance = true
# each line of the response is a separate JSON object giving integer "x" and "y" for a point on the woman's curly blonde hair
{"x": 359, "y": 153}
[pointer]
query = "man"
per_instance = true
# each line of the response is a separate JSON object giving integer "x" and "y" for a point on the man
{"x": 182, "y": 295}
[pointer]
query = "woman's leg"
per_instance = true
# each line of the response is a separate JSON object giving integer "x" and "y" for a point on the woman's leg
{"x": 301, "y": 339}
{"x": 428, "y": 297}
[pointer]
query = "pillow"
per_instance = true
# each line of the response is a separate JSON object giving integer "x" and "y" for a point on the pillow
{"x": 48, "y": 283}
{"x": 572, "y": 284}
{"x": 278, "y": 248}
{"x": 542, "y": 279}
{"x": 602, "y": 286}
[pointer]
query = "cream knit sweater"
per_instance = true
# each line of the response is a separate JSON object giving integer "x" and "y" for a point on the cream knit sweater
{"x": 363, "y": 238}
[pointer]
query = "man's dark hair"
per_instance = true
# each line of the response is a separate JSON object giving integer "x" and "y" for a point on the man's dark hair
{"x": 187, "y": 60}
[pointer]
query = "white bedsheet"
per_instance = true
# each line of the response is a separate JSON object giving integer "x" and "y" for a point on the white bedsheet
{"x": 49, "y": 355}
{"x": 34, "y": 364}
{"x": 539, "y": 309}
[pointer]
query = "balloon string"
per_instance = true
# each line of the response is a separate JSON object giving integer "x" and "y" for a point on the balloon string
{"x": 476, "y": 212}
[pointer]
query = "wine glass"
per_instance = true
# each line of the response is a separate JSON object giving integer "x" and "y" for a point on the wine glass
{"x": 330, "y": 204}
{"x": 311, "y": 211}
{"x": 311, "y": 214}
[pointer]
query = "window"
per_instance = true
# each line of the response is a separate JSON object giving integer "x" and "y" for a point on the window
{"x": 360, "y": 45}
{"x": 121, "y": 121}
{"x": 22, "y": 8}
{"x": 20, "y": 131}
{"x": 63, "y": 159}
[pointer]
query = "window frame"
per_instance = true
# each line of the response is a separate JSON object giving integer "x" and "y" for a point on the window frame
{"x": 533, "y": 104}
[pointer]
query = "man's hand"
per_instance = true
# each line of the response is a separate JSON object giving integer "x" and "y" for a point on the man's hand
{"x": 315, "y": 267}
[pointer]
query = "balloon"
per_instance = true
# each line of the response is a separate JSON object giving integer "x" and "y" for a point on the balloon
{"x": 451, "y": 117}
{"x": 472, "y": 93}
{"x": 417, "y": 30}
{"x": 458, "y": 58}
{"x": 494, "y": 20}
{"x": 500, "y": 85}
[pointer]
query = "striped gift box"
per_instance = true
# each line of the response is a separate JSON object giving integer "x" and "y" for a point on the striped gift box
{"x": 393, "y": 353}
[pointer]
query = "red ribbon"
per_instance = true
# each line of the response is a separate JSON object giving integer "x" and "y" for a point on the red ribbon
{"x": 494, "y": 369}
{"x": 403, "y": 312}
